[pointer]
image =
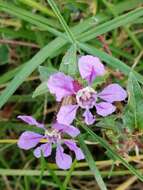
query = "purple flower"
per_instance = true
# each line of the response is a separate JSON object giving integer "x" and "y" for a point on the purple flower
{"x": 54, "y": 136}
{"x": 58, "y": 85}
{"x": 86, "y": 97}
{"x": 90, "y": 67}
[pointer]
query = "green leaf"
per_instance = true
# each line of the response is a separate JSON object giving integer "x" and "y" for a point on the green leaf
{"x": 121, "y": 20}
{"x": 69, "y": 62}
{"x": 38, "y": 20}
{"x": 43, "y": 166}
{"x": 56, "y": 178}
{"x": 133, "y": 115}
{"x": 9, "y": 74}
{"x": 41, "y": 89}
{"x": 107, "y": 122}
{"x": 4, "y": 56}
{"x": 99, "y": 80}
{"x": 38, "y": 6}
{"x": 92, "y": 164}
{"x": 62, "y": 21}
{"x": 69, "y": 173}
{"x": 45, "y": 72}
{"x": 26, "y": 183}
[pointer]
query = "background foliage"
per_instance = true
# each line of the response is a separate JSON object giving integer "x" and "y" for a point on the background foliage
{"x": 37, "y": 38}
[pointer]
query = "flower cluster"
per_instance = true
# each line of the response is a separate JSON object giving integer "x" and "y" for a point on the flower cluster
{"x": 52, "y": 136}
{"x": 85, "y": 97}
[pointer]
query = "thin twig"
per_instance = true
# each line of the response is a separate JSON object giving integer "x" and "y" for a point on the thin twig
{"x": 137, "y": 59}
{"x": 29, "y": 172}
{"x": 135, "y": 159}
{"x": 10, "y": 22}
{"x": 20, "y": 43}
{"x": 5, "y": 179}
{"x": 13, "y": 141}
{"x": 28, "y": 79}
{"x": 51, "y": 110}
{"x": 127, "y": 183}
{"x": 45, "y": 108}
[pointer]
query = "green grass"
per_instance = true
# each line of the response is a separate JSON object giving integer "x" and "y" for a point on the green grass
{"x": 61, "y": 30}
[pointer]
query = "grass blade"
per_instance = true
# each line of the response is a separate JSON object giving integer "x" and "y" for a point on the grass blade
{"x": 38, "y": 6}
{"x": 37, "y": 20}
{"x": 92, "y": 164}
{"x": 79, "y": 173}
{"x": 43, "y": 166}
{"x": 112, "y": 152}
{"x": 51, "y": 49}
{"x": 132, "y": 117}
{"x": 69, "y": 173}
{"x": 62, "y": 21}
{"x": 112, "y": 24}
{"x": 29, "y": 67}
{"x": 55, "y": 178}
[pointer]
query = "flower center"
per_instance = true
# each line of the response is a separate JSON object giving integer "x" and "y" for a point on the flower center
{"x": 86, "y": 97}
{"x": 53, "y": 134}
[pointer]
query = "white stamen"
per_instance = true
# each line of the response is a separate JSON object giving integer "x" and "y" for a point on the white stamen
{"x": 53, "y": 133}
{"x": 86, "y": 97}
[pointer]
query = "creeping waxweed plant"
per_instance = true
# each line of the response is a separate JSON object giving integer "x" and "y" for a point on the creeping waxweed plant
{"x": 86, "y": 100}
{"x": 53, "y": 136}
{"x": 86, "y": 96}
{"x": 86, "y": 115}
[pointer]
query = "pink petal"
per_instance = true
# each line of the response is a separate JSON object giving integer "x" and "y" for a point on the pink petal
{"x": 67, "y": 114}
{"x": 29, "y": 140}
{"x": 63, "y": 160}
{"x": 30, "y": 120}
{"x": 105, "y": 108}
{"x": 90, "y": 67}
{"x": 46, "y": 150}
{"x": 72, "y": 146}
{"x": 61, "y": 85}
{"x": 69, "y": 129}
{"x": 89, "y": 118}
{"x": 112, "y": 93}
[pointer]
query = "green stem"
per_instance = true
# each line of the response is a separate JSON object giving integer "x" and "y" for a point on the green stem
{"x": 62, "y": 21}
{"x": 19, "y": 172}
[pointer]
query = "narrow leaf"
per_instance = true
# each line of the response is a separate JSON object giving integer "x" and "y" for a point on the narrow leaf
{"x": 133, "y": 115}
{"x": 69, "y": 173}
{"x": 69, "y": 62}
{"x": 92, "y": 164}
{"x": 46, "y": 72}
{"x": 29, "y": 67}
{"x": 56, "y": 178}
{"x": 41, "y": 89}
